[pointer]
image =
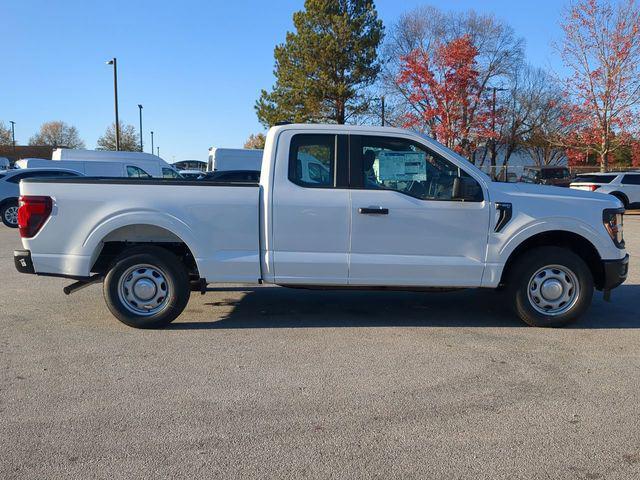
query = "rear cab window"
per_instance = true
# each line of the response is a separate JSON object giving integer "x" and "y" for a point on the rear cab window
{"x": 318, "y": 160}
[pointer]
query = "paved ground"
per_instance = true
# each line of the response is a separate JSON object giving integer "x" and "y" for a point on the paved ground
{"x": 276, "y": 383}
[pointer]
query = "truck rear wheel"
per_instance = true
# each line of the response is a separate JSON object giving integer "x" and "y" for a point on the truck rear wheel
{"x": 147, "y": 287}
{"x": 550, "y": 287}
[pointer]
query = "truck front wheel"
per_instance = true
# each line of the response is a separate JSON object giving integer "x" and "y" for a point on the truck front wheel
{"x": 146, "y": 287}
{"x": 550, "y": 287}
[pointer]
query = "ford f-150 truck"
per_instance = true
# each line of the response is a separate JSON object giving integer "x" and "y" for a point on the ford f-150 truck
{"x": 336, "y": 207}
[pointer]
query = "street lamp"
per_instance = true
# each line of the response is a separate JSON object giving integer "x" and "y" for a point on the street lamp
{"x": 140, "y": 108}
{"x": 13, "y": 136}
{"x": 151, "y": 142}
{"x": 114, "y": 62}
{"x": 158, "y": 151}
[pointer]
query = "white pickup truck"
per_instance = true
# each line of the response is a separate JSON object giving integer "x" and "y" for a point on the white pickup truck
{"x": 384, "y": 208}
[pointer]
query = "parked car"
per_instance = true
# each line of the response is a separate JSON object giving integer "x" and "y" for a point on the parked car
{"x": 115, "y": 167}
{"x": 625, "y": 186}
{"x": 398, "y": 210}
{"x": 234, "y": 159}
{"x": 556, "y": 176}
{"x": 191, "y": 165}
{"x": 10, "y": 189}
{"x": 247, "y": 176}
{"x": 5, "y": 164}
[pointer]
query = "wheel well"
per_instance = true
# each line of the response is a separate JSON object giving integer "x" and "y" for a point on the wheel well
{"x": 8, "y": 200}
{"x": 621, "y": 196}
{"x": 140, "y": 235}
{"x": 571, "y": 241}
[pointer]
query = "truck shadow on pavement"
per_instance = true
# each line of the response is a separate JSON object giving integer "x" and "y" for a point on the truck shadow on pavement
{"x": 275, "y": 307}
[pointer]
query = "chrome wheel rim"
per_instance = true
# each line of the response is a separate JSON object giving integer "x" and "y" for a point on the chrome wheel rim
{"x": 11, "y": 215}
{"x": 553, "y": 290}
{"x": 144, "y": 290}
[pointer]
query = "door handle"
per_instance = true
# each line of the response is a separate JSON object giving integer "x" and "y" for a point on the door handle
{"x": 374, "y": 211}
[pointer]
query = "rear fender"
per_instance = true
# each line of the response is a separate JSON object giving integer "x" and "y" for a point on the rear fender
{"x": 94, "y": 241}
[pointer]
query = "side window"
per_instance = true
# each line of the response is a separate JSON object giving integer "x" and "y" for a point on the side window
{"x": 136, "y": 172}
{"x": 169, "y": 173}
{"x": 631, "y": 180}
{"x": 17, "y": 178}
{"x": 312, "y": 160}
{"x": 396, "y": 164}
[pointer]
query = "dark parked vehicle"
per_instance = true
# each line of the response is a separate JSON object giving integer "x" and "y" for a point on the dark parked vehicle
{"x": 557, "y": 176}
{"x": 232, "y": 176}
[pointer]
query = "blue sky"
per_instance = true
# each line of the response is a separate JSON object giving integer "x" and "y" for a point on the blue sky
{"x": 196, "y": 66}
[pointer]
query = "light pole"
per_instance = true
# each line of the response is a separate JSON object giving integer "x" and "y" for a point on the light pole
{"x": 13, "y": 136}
{"x": 158, "y": 151}
{"x": 114, "y": 62}
{"x": 140, "y": 108}
{"x": 151, "y": 142}
{"x": 382, "y": 106}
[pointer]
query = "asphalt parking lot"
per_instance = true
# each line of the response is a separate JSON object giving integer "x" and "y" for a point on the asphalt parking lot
{"x": 275, "y": 383}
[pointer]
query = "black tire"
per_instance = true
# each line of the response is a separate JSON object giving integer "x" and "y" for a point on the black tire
{"x": 623, "y": 198}
{"x": 527, "y": 292}
{"x": 170, "y": 287}
{"x": 5, "y": 213}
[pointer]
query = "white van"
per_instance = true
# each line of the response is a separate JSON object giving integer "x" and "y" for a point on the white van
{"x": 109, "y": 168}
{"x": 113, "y": 164}
{"x": 223, "y": 159}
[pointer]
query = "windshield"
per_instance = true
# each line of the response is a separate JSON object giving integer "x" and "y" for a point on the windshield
{"x": 439, "y": 148}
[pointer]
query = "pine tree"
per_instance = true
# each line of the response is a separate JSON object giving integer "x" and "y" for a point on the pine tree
{"x": 324, "y": 67}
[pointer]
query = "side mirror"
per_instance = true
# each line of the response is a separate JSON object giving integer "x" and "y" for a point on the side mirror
{"x": 456, "y": 191}
{"x": 466, "y": 189}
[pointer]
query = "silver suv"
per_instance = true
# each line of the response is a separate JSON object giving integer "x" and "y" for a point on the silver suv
{"x": 623, "y": 185}
{"x": 10, "y": 189}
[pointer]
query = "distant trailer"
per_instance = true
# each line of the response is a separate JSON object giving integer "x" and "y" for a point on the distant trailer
{"x": 223, "y": 159}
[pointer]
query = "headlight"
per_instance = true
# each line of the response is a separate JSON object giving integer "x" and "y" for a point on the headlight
{"x": 613, "y": 219}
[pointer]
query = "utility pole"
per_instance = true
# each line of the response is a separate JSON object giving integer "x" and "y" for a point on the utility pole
{"x": 493, "y": 131}
{"x": 141, "y": 147}
{"x": 151, "y": 142}
{"x": 382, "y": 105}
{"x": 13, "y": 137}
{"x": 114, "y": 62}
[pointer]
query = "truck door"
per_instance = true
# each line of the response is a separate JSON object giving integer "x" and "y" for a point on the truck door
{"x": 407, "y": 229}
{"x": 311, "y": 217}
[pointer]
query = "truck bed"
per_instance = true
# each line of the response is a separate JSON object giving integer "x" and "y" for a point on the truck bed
{"x": 218, "y": 222}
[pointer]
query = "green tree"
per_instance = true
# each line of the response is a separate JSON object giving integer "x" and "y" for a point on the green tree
{"x": 323, "y": 69}
{"x": 129, "y": 140}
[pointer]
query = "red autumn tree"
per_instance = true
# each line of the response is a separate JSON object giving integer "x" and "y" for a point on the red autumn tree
{"x": 446, "y": 96}
{"x": 601, "y": 49}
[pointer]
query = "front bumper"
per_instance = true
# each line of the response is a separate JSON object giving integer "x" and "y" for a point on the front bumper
{"x": 615, "y": 272}
{"x": 22, "y": 261}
